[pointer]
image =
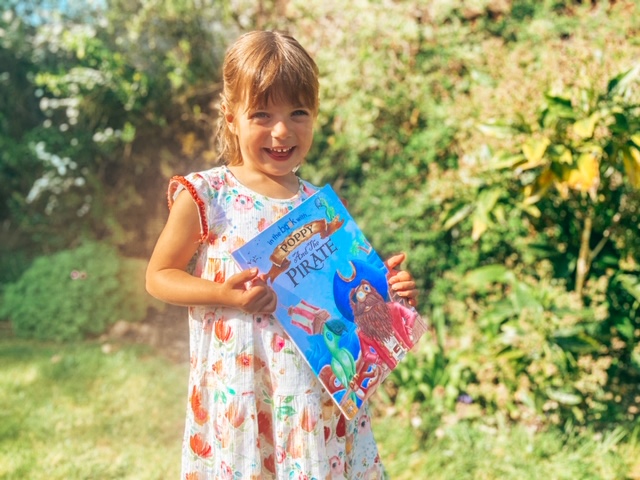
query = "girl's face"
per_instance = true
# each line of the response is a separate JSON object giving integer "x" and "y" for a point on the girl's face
{"x": 273, "y": 139}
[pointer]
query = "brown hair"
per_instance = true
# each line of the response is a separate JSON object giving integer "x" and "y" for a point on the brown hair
{"x": 262, "y": 66}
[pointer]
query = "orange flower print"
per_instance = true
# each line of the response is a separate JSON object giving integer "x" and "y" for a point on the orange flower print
{"x": 200, "y": 414}
{"x": 223, "y": 330}
{"x": 265, "y": 427}
{"x": 270, "y": 464}
{"x": 192, "y": 476}
{"x": 235, "y": 413}
{"x": 217, "y": 367}
{"x": 295, "y": 443}
{"x": 215, "y": 270}
{"x": 309, "y": 419}
{"x": 263, "y": 224}
{"x": 244, "y": 360}
{"x": 221, "y": 430}
{"x": 199, "y": 446}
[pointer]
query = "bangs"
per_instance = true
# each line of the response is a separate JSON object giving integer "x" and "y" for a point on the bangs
{"x": 279, "y": 75}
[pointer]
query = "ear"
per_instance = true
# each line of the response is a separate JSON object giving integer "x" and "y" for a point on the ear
{"x": 229, "y": 118}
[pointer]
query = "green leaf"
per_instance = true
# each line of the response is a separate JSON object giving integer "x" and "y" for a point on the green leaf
{"x": 575, "y": 340}
{"x": 457, "y": 217}
{"x": 631, "y": 284}
{"x": 534, "y": 150}
{"x": 285, "y": 411}
{"x": 523, "y": 298}
{"x": 497, "y": 130}
{"x": 563, "y": 397}
{"x": 480, "y": 278}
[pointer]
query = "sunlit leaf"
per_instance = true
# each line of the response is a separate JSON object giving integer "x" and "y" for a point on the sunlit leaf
{"x": 586, "y": 176}
{"x": 539, "y": 188}
{"x": 480, "y": 225}
{"x": 506, "y": 161}
{"x": 533, "y": 150}
{"x": 631, "y": 161}
{"x": 565, "y": 398}
{"x": 497, "y": 130}
{"x": 457, "y": 217}
{"x": 621, "y": 83}
{"x": 584, "y": 128}
{"x": 486, "y": 201}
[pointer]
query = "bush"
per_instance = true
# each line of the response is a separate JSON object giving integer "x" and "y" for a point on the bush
{"x": 76, "y": 293}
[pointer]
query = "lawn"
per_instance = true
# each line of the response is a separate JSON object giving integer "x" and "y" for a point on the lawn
{"x": 89, "y": 411}
{"x": 98, "y": 411}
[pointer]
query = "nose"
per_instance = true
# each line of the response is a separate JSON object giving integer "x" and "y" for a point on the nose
{"x": 280, "y": 129}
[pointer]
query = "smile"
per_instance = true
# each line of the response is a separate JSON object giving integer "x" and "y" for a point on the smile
{"x": 280, "y": 150}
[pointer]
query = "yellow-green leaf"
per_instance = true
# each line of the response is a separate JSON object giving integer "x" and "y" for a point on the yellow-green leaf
{"x": 584, "y": 128}
{"x": 631, "y": 161}
{"x": 586, "y": 176}
{"x": 533, "y": 150}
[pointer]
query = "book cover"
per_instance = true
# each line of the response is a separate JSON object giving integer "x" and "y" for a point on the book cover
{"x": 334, "y": 300}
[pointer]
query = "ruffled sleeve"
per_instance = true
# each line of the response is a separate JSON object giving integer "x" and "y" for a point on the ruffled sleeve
{"x": 200, "y": 192}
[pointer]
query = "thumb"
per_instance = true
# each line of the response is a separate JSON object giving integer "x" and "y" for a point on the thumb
{"x": 243, "y": 277}
{"x": 394, "y": 261}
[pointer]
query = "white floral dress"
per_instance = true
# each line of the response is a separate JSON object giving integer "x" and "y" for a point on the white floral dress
{"x": 255, "y": 409}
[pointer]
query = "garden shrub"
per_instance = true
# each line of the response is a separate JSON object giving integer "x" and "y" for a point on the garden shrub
{"x": 76, "y": 293}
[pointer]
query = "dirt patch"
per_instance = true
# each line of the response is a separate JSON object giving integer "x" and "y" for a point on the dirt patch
{"x": 166, "y": 331}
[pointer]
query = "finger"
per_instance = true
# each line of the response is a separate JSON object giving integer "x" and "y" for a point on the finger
{"x": 394, "y": 261}
{"x": 402, "y": 276}
{"x": 404, "y": 286}
{"x": 243, "y": 277}
{"x": 410, "y": 295}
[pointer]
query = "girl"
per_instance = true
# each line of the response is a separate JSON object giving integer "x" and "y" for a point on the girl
{"x": 255, "y": 409}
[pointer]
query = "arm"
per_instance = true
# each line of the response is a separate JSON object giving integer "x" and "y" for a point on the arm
{"x": 401, "y": 281}
{"x": 168, "y": 280}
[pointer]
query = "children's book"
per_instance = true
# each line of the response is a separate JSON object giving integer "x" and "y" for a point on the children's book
{"x": 334, "y": 300}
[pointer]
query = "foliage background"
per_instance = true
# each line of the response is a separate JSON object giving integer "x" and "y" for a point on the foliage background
{"x": 497, "y": 142}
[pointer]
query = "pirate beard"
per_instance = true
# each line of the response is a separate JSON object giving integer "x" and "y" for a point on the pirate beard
{"x": 375, "y": 321}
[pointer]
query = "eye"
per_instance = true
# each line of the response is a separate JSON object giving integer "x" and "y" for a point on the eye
{"x": 367, "y": 288}
{"x": 361, "y": 296}
{"x": 259, "y": 115}
{"x": 300, "y": 112}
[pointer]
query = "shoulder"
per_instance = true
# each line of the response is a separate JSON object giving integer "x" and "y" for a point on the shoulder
{"x": 205, "y": 183}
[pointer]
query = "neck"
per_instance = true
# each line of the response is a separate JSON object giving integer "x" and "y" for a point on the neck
{"x": 281, "y": 187}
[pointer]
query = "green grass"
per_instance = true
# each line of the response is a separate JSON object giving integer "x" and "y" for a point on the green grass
{"x": 76, "y": 412}
{"x": 465, "y": 452}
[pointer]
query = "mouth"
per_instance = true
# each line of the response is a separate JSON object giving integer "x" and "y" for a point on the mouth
{"x": 280, "y": 153}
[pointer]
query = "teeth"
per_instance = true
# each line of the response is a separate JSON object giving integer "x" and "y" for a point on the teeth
{"x": 281, "y": 150}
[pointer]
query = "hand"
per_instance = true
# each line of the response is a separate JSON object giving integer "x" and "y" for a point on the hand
{"x": 401, "y": 281}
{"x": 248, "y": 292}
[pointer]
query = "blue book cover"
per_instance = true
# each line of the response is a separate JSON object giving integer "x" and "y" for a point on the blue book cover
{"x": 334, "y": 300}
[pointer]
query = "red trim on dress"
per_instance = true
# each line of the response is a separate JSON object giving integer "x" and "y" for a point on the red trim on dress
{"x": 173, "y": 186}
